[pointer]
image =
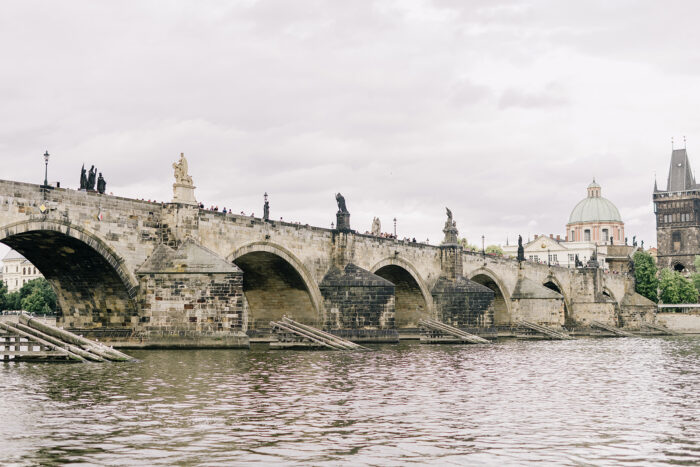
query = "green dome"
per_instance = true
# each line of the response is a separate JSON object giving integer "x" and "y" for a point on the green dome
{"x": 595, "y": 210}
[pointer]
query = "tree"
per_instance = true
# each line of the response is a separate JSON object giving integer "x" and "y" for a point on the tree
{"x": 37, "y": 296}
{"x": 494, "y": 250}
{"x": 676, "y": 289}
{"x": 646, "y": 282}
{"x": 3, "y": 296}
{"x": 466, "y": 245}
{"x": 13, "y": 301}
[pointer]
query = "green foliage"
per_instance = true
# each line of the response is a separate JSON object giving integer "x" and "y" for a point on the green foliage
{"x": 467, "y": 246}
{"x": 646, "y": 282}
{"x": 3, "y": 296}
{"x": 494, "y": 250}
{"x": 35, "y": 296}
{"x": 676, "y": 289}
{"x": 695, "y": 279}
{"x": 696, "y": 261}
{"x": 13, "y": 301}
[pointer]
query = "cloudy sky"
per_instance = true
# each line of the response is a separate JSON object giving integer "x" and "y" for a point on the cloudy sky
{"x": 502, "y": 110}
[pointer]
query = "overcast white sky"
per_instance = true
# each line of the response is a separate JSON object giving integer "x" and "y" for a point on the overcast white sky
{"x": 502, "y": 110}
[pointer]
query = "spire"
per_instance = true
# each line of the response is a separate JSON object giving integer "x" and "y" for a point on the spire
{"x": 656, "y": 188}
{"x": 680, "y": 175}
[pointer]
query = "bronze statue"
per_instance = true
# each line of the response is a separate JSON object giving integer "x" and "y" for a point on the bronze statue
{"x": 341, "y": 204}
{"x": 101, "y": 184}
{"x": 83, "y": 178}
{"x": 91, "y": 179}
{"x": 521, "y": 249}
{"x": 266, "y": 209}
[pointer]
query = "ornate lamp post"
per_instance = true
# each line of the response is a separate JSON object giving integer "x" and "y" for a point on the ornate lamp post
{"x": 483, "y": 246}
{"x": 394, "y": 227}
{"x": 46, "y": 169}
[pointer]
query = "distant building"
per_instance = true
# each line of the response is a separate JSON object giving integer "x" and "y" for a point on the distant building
{"x": 17, "y": 271}
{"x": 595, "y": 219}
{"x": 556, "y": 251}
{"x": 677, "y": 212}
{"x": 595, "y": 226}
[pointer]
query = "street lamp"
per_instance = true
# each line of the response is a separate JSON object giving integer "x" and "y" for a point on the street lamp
{"x": 394, "y": 227}
{"x": 483, "y": 247}
{"x": 46, "y": 169}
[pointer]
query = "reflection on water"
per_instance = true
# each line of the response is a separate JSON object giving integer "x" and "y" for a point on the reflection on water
{"x": 602, "y": 402}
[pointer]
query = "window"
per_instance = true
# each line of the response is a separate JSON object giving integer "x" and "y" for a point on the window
{"x": 586, "y": 235}
{"x": 606, "y": 236}
{"x": 24, "y": 271}
{"x": 573, "y": 236}
{"x": 554, "y": 258}
{"x": 572, "y": 258}
{"x": 676, "y": 241}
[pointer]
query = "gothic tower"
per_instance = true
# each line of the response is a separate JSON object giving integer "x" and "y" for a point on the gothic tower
{"x": 677, "y": 212}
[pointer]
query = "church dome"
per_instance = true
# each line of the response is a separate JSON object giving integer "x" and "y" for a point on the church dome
{"x": 595, "y": 208}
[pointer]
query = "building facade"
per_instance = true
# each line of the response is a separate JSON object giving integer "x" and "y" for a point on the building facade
{"x": 595, "y": 219}
{"x": 677, "y": 211}
{"x": 17, "y": 271}
{"x": 595, "y": 227}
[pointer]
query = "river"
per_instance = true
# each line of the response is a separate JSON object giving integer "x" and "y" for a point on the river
{"x": 619, "y": 401}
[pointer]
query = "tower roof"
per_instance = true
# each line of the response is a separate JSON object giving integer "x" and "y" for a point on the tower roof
{"x": 680, "y": 175}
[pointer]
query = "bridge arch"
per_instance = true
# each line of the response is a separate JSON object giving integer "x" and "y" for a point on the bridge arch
{"x": 413, "y": 300}
{"x": 501, "y": 298}
{"x": 93, "y": 285}
{"x": 276, "y": 283}
{"x": 552, "y": 283}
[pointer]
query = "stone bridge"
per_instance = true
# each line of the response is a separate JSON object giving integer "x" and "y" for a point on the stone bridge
{"x": 174, "y": 273}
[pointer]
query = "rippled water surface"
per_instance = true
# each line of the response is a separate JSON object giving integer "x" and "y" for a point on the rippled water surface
{"x": 583, "y": 402}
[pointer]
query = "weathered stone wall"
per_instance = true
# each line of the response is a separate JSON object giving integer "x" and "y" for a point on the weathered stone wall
{"x": 686, "y": 323}
{"x": 462, "y": 303}
{"x": 357, "y": 299}
{"x": 542, "y": 311}
{"x": 173, "y": 304}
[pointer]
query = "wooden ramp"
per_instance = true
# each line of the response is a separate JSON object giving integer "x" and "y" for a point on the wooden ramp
{"x": 617, "y": 331}
{"x": 31, "y": 339}
{"x": 436, "y": 332}
{"x": 291, "y": 334}
{"x": 549, "y": 332}
{"x": 661, "y": 329}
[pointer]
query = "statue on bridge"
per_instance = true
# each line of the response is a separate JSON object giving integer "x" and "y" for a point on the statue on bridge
{"x": 341, "y": 203}
{"x": 183, "y": 188}
{"x": 91, "y": 178}
{"x": 266, "y": 209}
{"x": 181, "y": 171}
{"x": 450, "y": 230}
{"x": 83, "y": 178}
{"x": 521, "y": 249}
{"x": 342, "y": 216}
{"x": 101, "y": 185}
{"x": 376, "y": 227}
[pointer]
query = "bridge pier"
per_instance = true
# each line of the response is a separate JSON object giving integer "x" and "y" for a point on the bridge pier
{"x": 191, "y": 297}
